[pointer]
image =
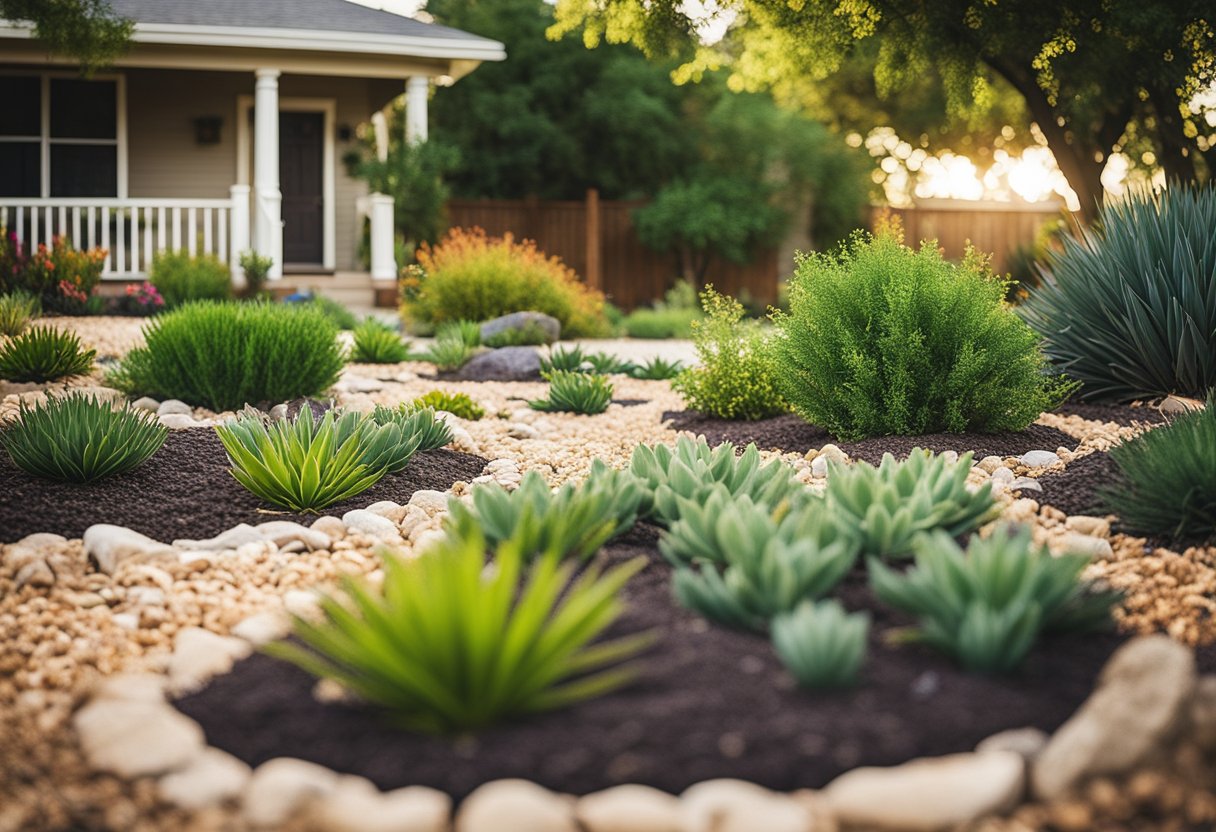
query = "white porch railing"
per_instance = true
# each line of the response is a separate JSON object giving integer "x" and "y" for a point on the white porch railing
{"x": 133, "y": 231}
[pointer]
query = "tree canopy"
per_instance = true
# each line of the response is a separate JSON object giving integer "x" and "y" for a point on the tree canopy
{"x": 87, "y": 30}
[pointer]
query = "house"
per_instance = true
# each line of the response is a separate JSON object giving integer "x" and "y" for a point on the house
{"x": 221, "y": 130}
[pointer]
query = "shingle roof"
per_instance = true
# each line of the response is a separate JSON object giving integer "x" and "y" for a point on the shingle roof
{"x": 319, "y": 15}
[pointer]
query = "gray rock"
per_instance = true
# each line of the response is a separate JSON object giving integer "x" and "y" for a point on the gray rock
{"x": 1026, "y": 484}
{"x": 178, "y": 421}
{"x": 1138, "y": 704}
{"x": 550, "y": 326}
{"x": 173, "y": 407}
{"x": 1039, "y": 459}
{"x": 236, "y": 536}
{"x": 199, "y": 654}
{"x": 108, "y": 546}
{"x": 506, "y": 364}
{"x": 146, "y": 403}
{"x": 136, "y": 738}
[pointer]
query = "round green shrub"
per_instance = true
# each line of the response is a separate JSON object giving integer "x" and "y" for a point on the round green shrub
{"x": 44, "y": 353}
{"x": 882, "y": 339}
{"x": 181, "y": 278}
{"x": 225, "y": 355}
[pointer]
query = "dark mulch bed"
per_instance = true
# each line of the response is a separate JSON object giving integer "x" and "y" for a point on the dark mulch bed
{"x": 1075, "y": 489}
{"x": 1121, "y": 414}
{"x": 185, "y": 491}
{"x": 791, "y": 433}
{"x": 712, "y": 703}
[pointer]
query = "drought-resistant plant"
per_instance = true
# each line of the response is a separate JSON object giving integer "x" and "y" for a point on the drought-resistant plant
{"x": 225, "y": 355}
{"x": 17, "y": 310}
{"x": 44, "y": 353}
{"x": 657, "y": 369}
{"x": 77, "y": 438}
{"x": 881, "y": 339}
{"x": 140, "y": 300}
{"x": 473, "y": 276}
{"x": 1167, "y": 478}
{"x": 893, "y": 503}
{"x": 986, "y": 607}
{"x": 820, "y": 644}
{"x": 566, "y": 359}
{"x": 467, "y": 332}
{"x": 302, "y": 465}
{"x": 607, "y": 364}
{"x": 736, "y": 378}
{"x": 378, "y": 343}
{"x": 575, "y": 520}
{"x": 452, "y": 642}
{"x": 528, "y": 335}
{"x": 63, "y": 277}
{"x": 670, "y": 317}
{"x": 416, "y": 421}
{"x": 458, "y": 404}
{"x": 448, "y": 354}
{"x": 691, "y": 469}
{"x": 1128, "y": 307}
{"x": 338, "y": 315}
{"x": 257, "y": 270}
{"x": 181, "y": 277}
{"x": 574, "y": 392}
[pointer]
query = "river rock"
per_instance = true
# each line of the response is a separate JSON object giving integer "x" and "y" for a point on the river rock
{"x": 356, "y": 805}
{"x": 174, "y": 407}
{"x": 550, "y": 326}
{"x": 629, "y": 809}
{"x": 234, "y": 537}
{"x": 1039, "y": 459}
{"x": 432, "y": 502}
{"x": 506, "y": 364}
{"x": 108, "y": 546}
{"x": 263, "y": 627}
{"x": 515, "y": 806}
{"x": 179, "y": 421}
{"x": 283, "y": 532}
{"x": 199, "y": 654}
{"x": 1028, "y": 742}
{"x": 280, "y": 786}
{"x": 214, "y": 777}
{"x": 136, "y": 739}
{"x": 146, "y": 403}
{"x": 736, "y": 806}
{"x": 373, "y": 525}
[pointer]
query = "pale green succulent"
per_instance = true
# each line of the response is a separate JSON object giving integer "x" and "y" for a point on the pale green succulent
{"x": 820, "y": 644}
{"x": 893, "y": 503}
{"x": 432, "y": 433}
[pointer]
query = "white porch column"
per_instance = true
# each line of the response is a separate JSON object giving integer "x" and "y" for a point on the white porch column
{"x": 416, "y": 89}
{"x": 238, "y": 233}
{"x": 384, "y": 264}
{"x": 268, "y": 199}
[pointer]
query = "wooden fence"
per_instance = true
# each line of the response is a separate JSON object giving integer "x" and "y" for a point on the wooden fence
{"x": 596, "y": 238}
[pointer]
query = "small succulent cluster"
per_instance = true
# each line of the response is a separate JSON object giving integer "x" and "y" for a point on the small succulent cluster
{"x": 574, "y": 359}
{"x": 458, "y": 404}
{"x": 44, "y": 353}
{"x": 575, "y": 392}
{"x": 378, "y": 343}
{"x": 449, "y": 353}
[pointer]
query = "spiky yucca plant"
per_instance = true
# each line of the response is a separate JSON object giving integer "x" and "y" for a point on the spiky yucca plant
{"x": 44, "y": 353}
{"x": 77, "y": 438}
{"x": 575, "y": 392}
{"x": 458, "y": 404}
{"x": 820, "y": 644}
{"x": 607, "y": 364}
{"x": 378, "y": 343}
{"x": 524, "y": 641}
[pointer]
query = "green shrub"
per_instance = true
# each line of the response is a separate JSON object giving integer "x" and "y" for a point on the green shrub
{"x": 448, "y": 354}
{"x": 458, "y": 404}
{"x": 528, "y": 335}
{"x": 736, "y": 378}
{"x": 302, "y": 465}
{"x": 1167, "y": 478}
{"x": 575, "y": 393}
{"x": 691, "y": 469}
{"x": 660, "y": 323}
{"x": 257, "y": 272}
{"x": 225, "y": 355}
{"x": 76, "y": 438}
{"x": 378, "y": 343}
{"x": 62, "y": 277}
{"x": 1129, "y": 307}
{"x": 44, "y": 353}
{"x": 821, "y": 644}
{"x": 336, "y": 313}
{"x": 416, "y": 421}
{"x": 527, "y": 643}
{"x": 181, "y": 278}
{"x": 893, "y": 503}
{"x": 17, "y": 310}
{"x": 986, "y": 608}
{"x": 881, "y": 339}
{"x": 471, "y": 276}
{"x": 467, "y": 332}
{"x": 574, "y": 521}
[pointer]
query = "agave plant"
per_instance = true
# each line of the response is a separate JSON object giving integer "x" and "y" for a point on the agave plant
{"x": 607, "y": 364}
{"x": 77, "y": 438}
{"x": 575, "y": 392}
{"x": 567, "y": 359}
{"x": 891, "y": 504}
{"x": 458, "y": 404}
{"x": 986, "y": 607}
{"x": 420, "y": 422}
{"x": 657, "y": 369}
{"x": 820, "y": 644}
{"x": 378, "y": 343}
{"x": 691, "y": 469}
{"x": 521, "y": 643}
{"x": 43, "y": 353}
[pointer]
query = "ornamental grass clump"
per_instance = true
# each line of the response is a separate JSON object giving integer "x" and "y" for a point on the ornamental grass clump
{"x": 44, "y": 353}
{"x": 986, "y": 608}
{"x": 1128, "y": 306}
{"x": 820, "y": 644}
{"x": 881, "y": 339}
{"x": 225, "y": 355}
{"x": 77, "y": 438}
{"x": 890, "y": 505}
{"x": 1167, "y": 478}
{"x": 736, "y": 378}
{"x": 302, "y": 465}
{"x": 467, "y": 332}
{"x": 456, "y": 641}
{"x": 17, "y": 309}
{"x": 458, "y": 404}
{"x": 575, "y": 392}
{"x": 565, "y": 359}
{"x": 378, "y": 343}
{"x": 448, "y": 354}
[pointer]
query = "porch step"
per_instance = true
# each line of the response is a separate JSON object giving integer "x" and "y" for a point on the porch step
{"x": 348, "y": 288}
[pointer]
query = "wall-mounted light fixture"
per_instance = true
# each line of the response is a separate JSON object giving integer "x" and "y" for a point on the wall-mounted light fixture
{"x": 345, "y": 132}
{"x": 207, "y": 129}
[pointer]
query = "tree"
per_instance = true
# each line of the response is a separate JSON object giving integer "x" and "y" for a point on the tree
{"x": 87, "y": 30}
{"x": 1092, "y": 74}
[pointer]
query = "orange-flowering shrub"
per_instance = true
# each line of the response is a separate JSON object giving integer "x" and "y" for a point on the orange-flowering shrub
{"x": 63, "y": 277}
{"x": 469, "y": 275}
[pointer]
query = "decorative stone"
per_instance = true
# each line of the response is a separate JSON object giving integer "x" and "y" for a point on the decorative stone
{"x": 199, "y": 654}
{"x": 132, "y": 687}
{"x": 629, "y": 809}
{"x": 951, "y": 457}
{"x": 515, "y": 806}
{"x": 147, "y": 403}
{"x": 506, "y": 364}
{"x": 550, "y": 326}
{"x": 301, "y": 602}
{"x": 990, "y": 463}
{"x": 280, "y": 786}
{"x": 373, "y": 525}
{"x": 234, "y": 537}
{"x": 1084, "y": 524}
{"x": 928, "y": 794}
{"x": 108, "y": 546}
{"x": 33, "y": 547}
{"x": 1136, "y": 706}
{"x": 462, "y": 440}
{"x": 263, "y": 628}
{"x": 1003, "y": 475}
{"x": 214, "y": 777}
{"x": 1027, "y": 742}
{"x": 36, "y": 573}
{"x": 331, "y": 526}
{"x": 174, "y": 407}
{"x": 1039, "y": 459}
{"x": 517, "y": 430}
{"x": 136, "y": 739}
{"x": 432, "y": 502}
{"x": 1095, "y": 548}
{"x": 283, "y": 532}
{"x": 178, "y": 421}
{"x": 355, "y": 805}
{"x": 1025, "y": 484}
{"x": 359, "y": 384}
{"x": 819, "y": 466}
{"x": 736, "y": 806}
{"x": 387, "y": 508}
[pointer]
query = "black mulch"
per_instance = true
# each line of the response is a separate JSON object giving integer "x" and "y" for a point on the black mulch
{"x": 186, "y": 491}
{"x": 1122, "y": 414}
{"x": 712, "y": 703}
{"x": 791, "y": 433}
{"x": 1075, "y": 489}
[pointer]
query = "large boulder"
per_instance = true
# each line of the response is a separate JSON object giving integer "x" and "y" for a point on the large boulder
{"x": 506, "y": 364}
{"x": 546, "y": 324}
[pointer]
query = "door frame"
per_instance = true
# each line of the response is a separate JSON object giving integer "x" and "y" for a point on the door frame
{"x": 244, "y": 159}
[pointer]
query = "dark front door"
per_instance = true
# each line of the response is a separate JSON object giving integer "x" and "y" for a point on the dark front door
{"x": 301, "y": 153}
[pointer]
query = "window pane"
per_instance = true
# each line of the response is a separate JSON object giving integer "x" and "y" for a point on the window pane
{"x": 21, "y": 111}
{"x": 20, "y": 168}
{"x": 84, "y": 170}
{"x": 83, "y": 109}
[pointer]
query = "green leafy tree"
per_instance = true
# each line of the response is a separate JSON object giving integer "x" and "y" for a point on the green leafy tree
{"x": 87, "y": 30}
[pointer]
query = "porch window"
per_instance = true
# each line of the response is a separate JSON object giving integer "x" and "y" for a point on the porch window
{"x": 59, "y": 137}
